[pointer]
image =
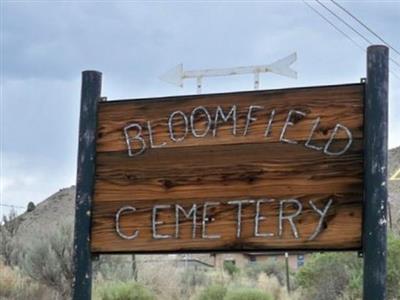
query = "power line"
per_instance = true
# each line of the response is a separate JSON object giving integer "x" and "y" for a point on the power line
{"x": 344, "y": 22}
{"x": 343, "y": 33}
{"x": 334, "y": 26}
{"x": 365, "y": 26}
{"x": 13, "y": 206}
{"x": 352, "y": 28}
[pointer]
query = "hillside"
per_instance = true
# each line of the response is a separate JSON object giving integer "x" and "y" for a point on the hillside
{"x": 47, "y": 214}
{"x": 394, "y": 160}
{"x": 394, "y": 166}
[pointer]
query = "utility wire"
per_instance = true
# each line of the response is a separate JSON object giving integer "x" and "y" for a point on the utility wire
{"x": 343, "y": 33}
{"x": 352, "y": 28}
{"x": 344, "y": 22}
{"x": 366, "y": 27}
{"x": 9, "y": 205}
{"x": 334, "y": 26}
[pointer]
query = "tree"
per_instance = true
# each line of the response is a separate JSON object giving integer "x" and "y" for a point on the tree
{"x": 31, "y": 206}
{"x": 334, "y": 275}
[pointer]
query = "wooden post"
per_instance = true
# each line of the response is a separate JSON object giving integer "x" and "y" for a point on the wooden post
{"x": 90, "y": 96}
{"x": 287, "y": 272}
{"x": 375, "y": 175}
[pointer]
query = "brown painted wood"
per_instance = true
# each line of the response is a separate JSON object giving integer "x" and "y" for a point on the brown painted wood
{"x": 228, "y": 167}
{"x": 344, "y": 106}
{"x": 342, "y": 231}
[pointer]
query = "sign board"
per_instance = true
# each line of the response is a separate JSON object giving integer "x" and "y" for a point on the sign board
{"x": 263, "y": 170}
{"x": 293, "y": 169}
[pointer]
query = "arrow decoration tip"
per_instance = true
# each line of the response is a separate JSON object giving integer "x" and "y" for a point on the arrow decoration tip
{"x": 282, "y": 66}
{"x": 174, "y": 76}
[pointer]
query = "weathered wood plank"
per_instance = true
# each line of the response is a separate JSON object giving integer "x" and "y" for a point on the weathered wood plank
{"x": 344, "y": 107}
{"x": 235, "y": 171}
{"x": 341, "y": 229}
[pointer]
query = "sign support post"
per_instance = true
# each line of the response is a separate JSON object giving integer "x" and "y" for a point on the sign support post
{"x": 90, "y": 96}
{"x": 375, "y": 172}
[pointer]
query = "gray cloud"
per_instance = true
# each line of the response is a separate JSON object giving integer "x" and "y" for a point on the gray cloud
{"x": 48, "y": 44}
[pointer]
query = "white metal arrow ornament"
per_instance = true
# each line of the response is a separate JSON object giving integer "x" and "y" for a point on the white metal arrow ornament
{"x": 282, "y": 67}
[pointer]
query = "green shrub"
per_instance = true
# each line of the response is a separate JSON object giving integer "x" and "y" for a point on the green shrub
{"x": 246, "y": 294}
{"x": 192, "y": 277}
{"x": 271, "y": 267}
{"x": 231, "y": 268}
{"x": 48, "y": 259}
{"x": 332, "y": 275}
{"x": 326, "y": 276}
{"x": 213, "y": 292}
{"x": 114, "y": 267}
{"x": 124, "y": 291}
{"x": 13, "y": 285}
{"x": 393, "y": 267}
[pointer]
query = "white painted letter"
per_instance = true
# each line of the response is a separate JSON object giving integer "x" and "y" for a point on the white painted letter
{"x": 154, "y": 222}
{"x": 117, "y": 221}
{"x": 308, "y": 142}
{"x": 322, "y": 215}
{"x": 335, "y": 131}
{"x": 171, "y": 129}
{"x": 232, "y": 113}
{"x": 249, "y": 118}
{"x": 137, "y": 137}
{"x": 239, "y": 214}
{"x": 290, "y": 123}
{"x": 152, "y": 145}
{"x": 258, "y": 218}
{"x": 208, "y": 121}
{"x": 271, "y": 119}
{"x": 192, "y": 212}
{"x": 204, "y": 234}
{"x": 289, "y": 217}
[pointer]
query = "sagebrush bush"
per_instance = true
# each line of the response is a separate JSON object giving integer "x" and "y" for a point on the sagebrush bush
{"x": 8, "y": 231}
{"x": 114, "y": 267}
{"x": 124, "y": 291}
{"x": 272, "y": 286}
{"x": 48, "y": 259}
{"x": 393, "y": 267}
{"x": 212, "y": 292}
{"x": 340, "y": 275}
{"x": 191, "y": 279}
{"x": 246, "y": 294}
{"x": 271, "y": 267}
{"x": 13, "y": 285}
{"x": 231, "y": 268}
{"x": 163, "y": 278}
{"x": 326, "y": 276}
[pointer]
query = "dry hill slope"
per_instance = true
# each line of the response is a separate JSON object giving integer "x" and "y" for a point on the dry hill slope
{"x": 47, "y": 214}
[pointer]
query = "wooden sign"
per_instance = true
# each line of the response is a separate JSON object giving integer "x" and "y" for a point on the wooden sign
{"x": 292, "y": 169}
{"x": 264, "y": 170}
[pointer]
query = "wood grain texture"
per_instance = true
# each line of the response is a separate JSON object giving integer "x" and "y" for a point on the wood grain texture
{"x": 344, "y": 107}
{"x": 228, "y": 167}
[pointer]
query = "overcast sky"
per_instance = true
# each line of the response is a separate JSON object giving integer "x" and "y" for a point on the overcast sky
{"x": 46, "y": 44}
